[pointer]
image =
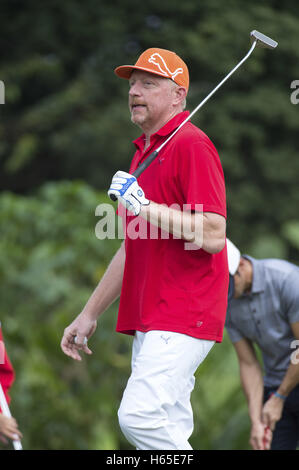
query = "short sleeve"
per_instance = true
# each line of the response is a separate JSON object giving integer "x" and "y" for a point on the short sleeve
{"x": 233, "y": 332}
{"x": 6, "y": 371}
{"x": 202, "y": 178}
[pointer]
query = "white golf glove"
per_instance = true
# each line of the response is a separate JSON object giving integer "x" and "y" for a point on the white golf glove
{"x": 125, "y": 187}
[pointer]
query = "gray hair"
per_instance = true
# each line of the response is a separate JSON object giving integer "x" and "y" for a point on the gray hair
{"x": 184, "y": 102}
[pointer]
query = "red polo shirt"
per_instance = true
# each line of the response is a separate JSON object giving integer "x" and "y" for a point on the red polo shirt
{"x": 6, "y": 369}
{"x": 166, "y": 286}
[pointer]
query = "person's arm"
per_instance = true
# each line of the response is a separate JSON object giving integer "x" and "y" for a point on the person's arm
{"x": 107, "y": 291}
{"x": 252, "y": 383}
{"x": 273, "y": 408}
{"x": 109, "y": 288}
{"x": 205, "y": 229}
{"x": 291, "y": 379}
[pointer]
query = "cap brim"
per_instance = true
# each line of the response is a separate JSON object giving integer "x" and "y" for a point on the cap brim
{"x": 125, "y": 71}
{"x": 233, "y": 256}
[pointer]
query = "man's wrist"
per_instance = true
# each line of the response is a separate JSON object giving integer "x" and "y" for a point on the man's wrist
{"x": 255, "y": 412}
{"x": 90, "y": 315}
{"x": 280, "y": 395}
{"x": 255, "y": 422}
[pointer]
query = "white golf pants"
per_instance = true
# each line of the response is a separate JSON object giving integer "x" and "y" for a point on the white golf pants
{"x": 155, "y": 411}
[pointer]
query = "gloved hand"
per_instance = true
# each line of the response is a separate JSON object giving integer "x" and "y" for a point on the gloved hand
{"x": 125, "y": 187}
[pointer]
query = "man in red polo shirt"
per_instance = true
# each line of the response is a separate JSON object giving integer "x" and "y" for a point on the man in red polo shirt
{"x": 171, "y": 271}
{"x": 8, "y": 426}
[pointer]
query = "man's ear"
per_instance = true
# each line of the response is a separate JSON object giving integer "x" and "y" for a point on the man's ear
{"x": 180, "y": 94}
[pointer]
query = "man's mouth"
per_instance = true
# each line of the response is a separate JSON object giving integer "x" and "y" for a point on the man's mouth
{"x": 137, "y": 106}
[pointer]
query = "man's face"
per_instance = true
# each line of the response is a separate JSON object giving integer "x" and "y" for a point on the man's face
{"x": 239, "y": 285}
{"x": 151, "y": 100}
{"x": 243, "y": 278}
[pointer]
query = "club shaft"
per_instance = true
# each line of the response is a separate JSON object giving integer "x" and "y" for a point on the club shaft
{"x": 209, "y": 95}
{"x": 6, "y": 412}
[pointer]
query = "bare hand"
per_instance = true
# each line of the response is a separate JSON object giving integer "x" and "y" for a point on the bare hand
{"x": 272, "y": 411}
{"x": 9, "y": 428}
{"x": 80, "y": 328}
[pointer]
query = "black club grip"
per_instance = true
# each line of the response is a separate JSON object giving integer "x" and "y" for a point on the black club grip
{"x": 140, "y": 169}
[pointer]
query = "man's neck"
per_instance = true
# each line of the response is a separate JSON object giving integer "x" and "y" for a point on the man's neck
{"x": 152, "y": 130}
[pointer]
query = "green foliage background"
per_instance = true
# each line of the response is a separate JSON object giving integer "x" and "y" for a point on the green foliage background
{"x": 65, "y": 130}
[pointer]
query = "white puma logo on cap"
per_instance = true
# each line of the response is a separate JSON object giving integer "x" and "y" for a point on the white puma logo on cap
{"x": 158, "y": 60}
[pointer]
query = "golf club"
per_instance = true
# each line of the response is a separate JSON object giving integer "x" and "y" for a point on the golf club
{"x": 6, "y": 412}
{"x": 257, "y": 39}
{"x": 267, "y": 429}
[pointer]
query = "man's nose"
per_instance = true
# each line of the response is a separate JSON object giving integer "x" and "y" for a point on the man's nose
{"x": 134, "y": 89}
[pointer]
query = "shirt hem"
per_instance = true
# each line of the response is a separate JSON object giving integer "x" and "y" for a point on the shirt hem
{"x": 130, "y": 330}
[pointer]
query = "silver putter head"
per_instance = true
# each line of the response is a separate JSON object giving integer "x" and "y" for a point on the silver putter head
{"x": 262, "y": 40}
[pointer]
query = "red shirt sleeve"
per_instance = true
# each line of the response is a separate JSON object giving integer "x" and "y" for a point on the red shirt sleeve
{"x": 202, "y": 178}
{"x": 6, "y": 370}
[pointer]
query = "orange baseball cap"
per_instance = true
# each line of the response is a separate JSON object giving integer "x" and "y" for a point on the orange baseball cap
{"x": 159, "y": 62}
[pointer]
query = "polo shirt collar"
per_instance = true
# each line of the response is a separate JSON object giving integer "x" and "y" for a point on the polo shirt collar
{"x": 167, "y": 129}
{"x": 258, "y": 281}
